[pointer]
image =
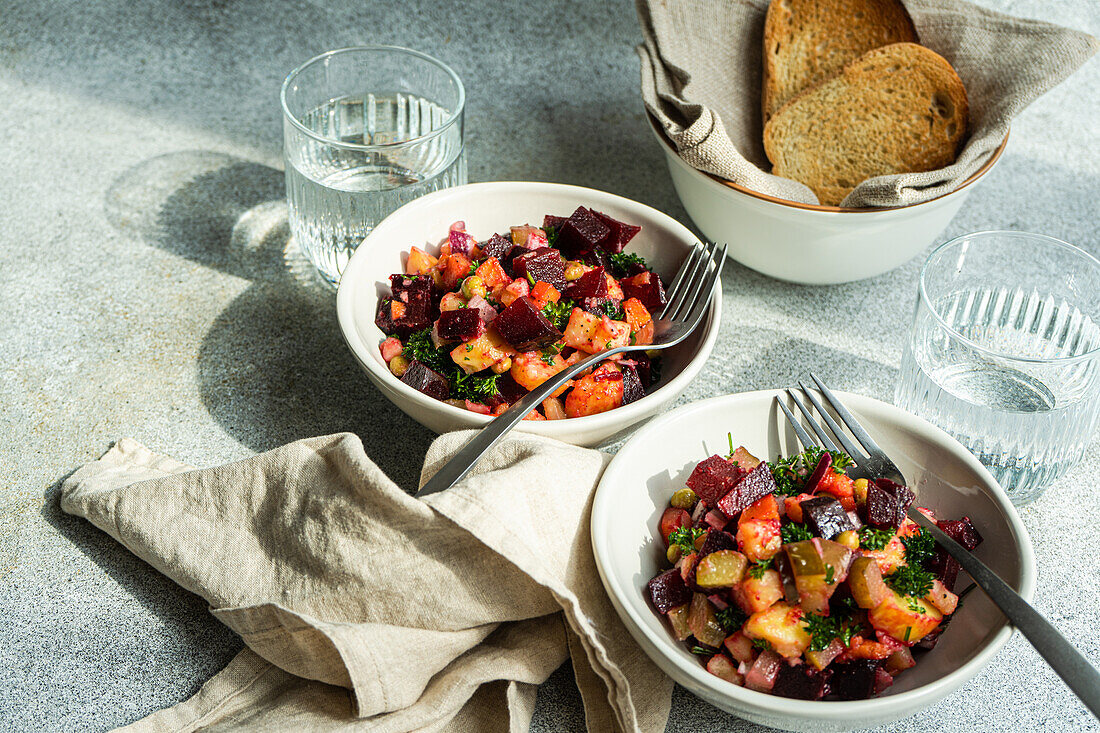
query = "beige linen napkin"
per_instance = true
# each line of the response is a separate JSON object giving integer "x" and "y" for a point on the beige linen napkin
{"x": 363, "y": 608}
{"x": 701, "y": 80}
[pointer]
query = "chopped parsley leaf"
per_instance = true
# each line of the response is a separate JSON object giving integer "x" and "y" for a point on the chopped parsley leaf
{"x": 794, "y": 532}
{"x": 829, "y": 572}
{"x": 685, "y": 537}
{"x": 419, "y": 346}
{"x": 558, "y": 313}
{"x": 791, "y": 473}
{"x": 551, "y": 235}
{"x": 919, "y": 548}
{"x": 731, "y": 618}
{"x": 761, "y": 644}
{"x": 757, "y": 569}
{"x": 620, "y": 263}
{"x": 823, "y": 629}
{"x": 910, "y": 580}
{"x": 874, "y": 539}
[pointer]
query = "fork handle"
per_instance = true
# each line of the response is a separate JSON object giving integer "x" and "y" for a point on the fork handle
{"x": 1076, "y": 671}
{"x": 460, "y": 464}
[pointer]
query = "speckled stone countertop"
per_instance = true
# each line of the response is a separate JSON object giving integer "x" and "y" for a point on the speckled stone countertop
{"x": 145, "y": 292}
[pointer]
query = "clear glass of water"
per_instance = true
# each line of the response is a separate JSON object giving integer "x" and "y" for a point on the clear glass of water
{"x": 1004, "y": 354}
{"x": 366, "y": 130}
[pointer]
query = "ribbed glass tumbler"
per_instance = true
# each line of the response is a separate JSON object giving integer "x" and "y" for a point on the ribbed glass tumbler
{"x": 1004, "y": 354}
{"x": 365, "y": 131}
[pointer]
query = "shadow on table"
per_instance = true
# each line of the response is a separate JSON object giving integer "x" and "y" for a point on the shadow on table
{"x": 273, "y": 367}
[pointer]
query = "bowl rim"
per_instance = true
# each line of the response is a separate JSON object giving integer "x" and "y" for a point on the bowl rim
{"x": 623, "y": 416}
{"x": 670, "y": 150}
{"x": 603, "y": 511}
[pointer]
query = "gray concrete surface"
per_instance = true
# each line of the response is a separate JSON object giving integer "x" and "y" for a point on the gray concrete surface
{"x": 145, "y": 292}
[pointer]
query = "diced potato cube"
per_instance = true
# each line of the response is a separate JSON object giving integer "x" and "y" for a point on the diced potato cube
{"x": 758, "y": 594}
{"x": 781, "y": 626}
{"x": 419, "y": 262}
{"x": 481, "y": 352}
{"x": 906, "y": 619}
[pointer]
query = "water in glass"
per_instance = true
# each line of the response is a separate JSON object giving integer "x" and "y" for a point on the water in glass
{"x": 338, "y": 193}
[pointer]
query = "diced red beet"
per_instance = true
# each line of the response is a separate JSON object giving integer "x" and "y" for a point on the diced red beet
{"x": 417, "y": 304}
{"x": 581, "y": 232}
{"x": 886, "y": 504}
{"x": 719, "y": 600}
{"x": 762, "y": 676}
{"x": 592, "y": 284}
{"x": 648, "y": 288}
{"x": 645, "y": 368}
{"x": 384, "y": 317}
{"x": 621, "y": 232}
{"x": 460, "y": 325}
{"x": 757, "y": 484}
{"x": 854, "y": 680}
{"x": 714, "y": 478}
{"x": 497, "y": 246}
{"x": 596, "y": 258}
{"x": 929, "y": 641}
{"x": 524, "y": 326}
{"x": 460, "y": 241}
{"x": 825, "y": 516}
{"x": 667, "y": 591}
{"x": 426, "y": 380}
{"x": 509, "y": 259}
{"x": 508, "y": 391}
{"x": 632, "y": 384}
{"x": 823, "y": 464}
{"x": 541, "y": 265}
{"x": 962, "y": 531}
{"x": 553, "y": 221}
{"x": 801, "y": 682}
{"x": 717, "y": 540}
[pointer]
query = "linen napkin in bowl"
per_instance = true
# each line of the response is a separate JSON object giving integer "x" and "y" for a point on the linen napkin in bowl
{"x": 364, "y": 608}
{"x": 702, "y": 72}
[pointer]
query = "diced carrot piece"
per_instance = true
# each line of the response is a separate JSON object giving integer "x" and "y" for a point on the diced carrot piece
{"x": 758, "y": 530}
{"x": 793, "y": 506}
{"x": 544, "y": 293}
{"x": 397, "y": 309}
{"x": 512, "y": 291}
{"x": 530, "y": 369}
{"x": 839, "y": 486}
{"x": 419, "y": 262}
{"x": 455, "y": 271}
{"x": 640, "y": 320}
{"x": 492, "y": 274}
{"x": 614, "y": 290}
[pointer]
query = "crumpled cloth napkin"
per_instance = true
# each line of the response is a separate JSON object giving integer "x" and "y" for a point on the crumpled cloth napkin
{"x": 702, "y": 70}
{"x": 363, "y": 608}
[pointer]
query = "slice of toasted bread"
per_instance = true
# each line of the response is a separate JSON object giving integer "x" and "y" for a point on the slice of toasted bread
{"x": 896, "y": 109}
{"x": 807, "y": 41}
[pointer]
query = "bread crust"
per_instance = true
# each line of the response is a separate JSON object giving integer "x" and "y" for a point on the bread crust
{"x": 807, "y": 41}
{"x": 896, "y": 109}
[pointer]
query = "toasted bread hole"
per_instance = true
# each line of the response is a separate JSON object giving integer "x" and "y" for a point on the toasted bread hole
{"x": 892, "y": 69}
{"x": 942, "y": 105}
{"x": 889, "y": 90}
{"x": 844, "y": 183}
{"x": 785, "y": 4}
{"x": 859, "y": 14}
{"x": 951, "y": 129}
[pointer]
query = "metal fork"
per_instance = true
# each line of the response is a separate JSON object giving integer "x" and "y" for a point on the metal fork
{"x": 871, "y": 463}
{"x": 688, "y": 300}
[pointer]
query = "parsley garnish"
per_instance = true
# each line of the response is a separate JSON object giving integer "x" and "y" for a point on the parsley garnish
{"x": 620, "y": 262}
{"x": 731, "y": 618}
{"x": 757, "y": 569}
{"x": 685, "y": 537}
{"x": 919, "y": 548}
{"x": 730, "y": 436}
{"x": 558, "y": 313}
{"x": 419, "y": 346}
{"x": 549, "y": 353}
{"x": 874, "y": 539}
{"x": 823, "y": 629}
{"x": 794, "y": 532}
{"x": 913, "y": 605}
{"x": 551, "y": 235}
{"x": 791, "y": 473}
{"x": 531, "y": 278}
{"x": 910, "y": 580}
{"x": 702, "y": 650}
{"x": 761, "y": 644}
{"x": 612, "y": 311}
{"x": 474, "y": 387}
{"x": 829, "y": 571}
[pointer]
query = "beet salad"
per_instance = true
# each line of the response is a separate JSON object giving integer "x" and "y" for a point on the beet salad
{"x": 790, "y": 578}
{"x": 482, "y": 323}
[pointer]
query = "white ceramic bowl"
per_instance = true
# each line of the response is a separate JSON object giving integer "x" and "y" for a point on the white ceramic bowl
{"x": 657, "y": 460}
{"x": 810, "y": 243}
{"x": 493, "y": 207}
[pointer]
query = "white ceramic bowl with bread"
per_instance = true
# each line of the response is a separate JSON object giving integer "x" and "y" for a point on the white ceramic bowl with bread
{"x": 810, "y": 243}
{"x": 655, "y": 462}
{"x": 492, "y": 207}
{"x": 848, "y": 94}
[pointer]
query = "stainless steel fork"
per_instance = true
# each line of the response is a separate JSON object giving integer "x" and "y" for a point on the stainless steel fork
{"x": 870, "y": 463}
{"x": 688, "y": 301}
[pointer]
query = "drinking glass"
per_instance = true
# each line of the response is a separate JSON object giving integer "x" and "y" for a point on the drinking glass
{"x": 366, "y": 130}
{"x": 1003, "y": 353}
